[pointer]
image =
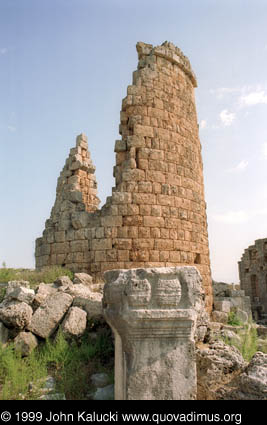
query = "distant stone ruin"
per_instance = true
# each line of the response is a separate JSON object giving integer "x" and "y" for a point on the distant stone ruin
{"x": 156, "y": 216}
{"x": 253, "y": 277}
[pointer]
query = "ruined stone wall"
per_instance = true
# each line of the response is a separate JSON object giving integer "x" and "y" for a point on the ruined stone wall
{"x": 156, "y": 216}
{"x": 253, "y": 277}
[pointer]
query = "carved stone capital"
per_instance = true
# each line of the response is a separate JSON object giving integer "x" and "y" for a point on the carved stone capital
{"x": 153, "y": 314}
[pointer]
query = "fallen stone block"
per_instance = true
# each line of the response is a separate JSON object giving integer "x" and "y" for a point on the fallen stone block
{"x": 43, "y": 291}
{"x": 100, "y": 380}
{"x": 219, "y": 316}
{"x": 92, "y": 306}
{"x": 105, "y": 393}
{"x": 78, "y": 290}
{"x": 83, "y": 278}
{"x": 13, "y": 284}
{"x": 251, "y": 384}
{"x": 63, "y": 281}
{"x": 74, "y": 324}
{"x": 25, "y": 342}
{"x": 48, "y": 316}
{"x": 21, "y": 294}
{"x": 217, "y": 364}
{"x": 15, "y": 313}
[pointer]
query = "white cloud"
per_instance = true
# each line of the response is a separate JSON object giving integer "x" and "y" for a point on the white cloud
{"x": 203, "y": 124}
{"x": 253, "y": 98}
{"x": 241, "y": 166}
{"x": 3, "y": 50}
{"x": 227, "y": 117}
{"x": 11, "y": 128}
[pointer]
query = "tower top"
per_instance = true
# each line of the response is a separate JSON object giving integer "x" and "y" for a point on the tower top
{"x": 170, "y": 52}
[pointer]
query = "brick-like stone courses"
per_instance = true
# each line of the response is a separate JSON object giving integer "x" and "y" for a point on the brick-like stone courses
{"x": 253, "y": 277}
{"x": 65, "y": 238}
{"x": 156, "y": 215}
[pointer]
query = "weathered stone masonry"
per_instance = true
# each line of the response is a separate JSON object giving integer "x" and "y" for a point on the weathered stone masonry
{"x": 253, "y": 277}
{"x": 156, "y": 216}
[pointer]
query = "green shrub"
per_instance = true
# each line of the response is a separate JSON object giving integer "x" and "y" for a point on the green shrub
{"x": 248, "y": 344}
{"x": 70, "y": 363}
{"x": 7, "y": 274}
{"x": 16, "y": 373}
{"x": 46, "y": 275}
{"x": 2, "y": 294}
{"x": 233, "y": 320}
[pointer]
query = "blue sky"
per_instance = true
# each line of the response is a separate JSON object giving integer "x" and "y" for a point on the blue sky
{"x": 64, "y": 69}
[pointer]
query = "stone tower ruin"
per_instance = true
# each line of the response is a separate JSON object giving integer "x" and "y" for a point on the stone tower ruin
{"x": 253, "y": 277}
{"x": 156, "y": 216}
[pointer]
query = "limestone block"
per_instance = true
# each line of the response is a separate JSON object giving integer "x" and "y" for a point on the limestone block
{"x": 100, "y": 380}
{"x": 122, "y": 198}
{"x": 3, "y": 333}
{"x": 74, "y": 323}
{"x": 153, "y": 315}
{"x": 224, "y": 306}
{"x": 105, "y": 393}
{"x": 83, "y": 278}
{"x": 99, "y": 244}
{"x": 12, "y": 284}
{"x": 120, "y": 146}
{"x": 219, "y": 316}
{"x": 73, "y": 196}
{"x": 43, "y": 291}
{"x": 110, "y": 221}
{"x": 78, "y": 290}
{"x": 216, "y": 363}
{"x": 62, "y": 281}
{"x": 92, "y": 305}
{"x": 234, "y": 293}
{"x": 47, "y": 317}
{"x": 60, "y": 248}
{"x": 21, "y": 294}
{"x": 79, "y": 219}
{"x": 153, "y": 221}
{"x": 60, "y": 236}
{"x": 25, "y": 342}
{"x": 251, "y": 384}
{"x": 15, "y": 313}
{"x": 79, "y": 246}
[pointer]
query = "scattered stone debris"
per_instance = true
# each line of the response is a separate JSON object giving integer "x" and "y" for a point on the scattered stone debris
{"x": 229, "y": 298}
{"x": 26, "y": 314}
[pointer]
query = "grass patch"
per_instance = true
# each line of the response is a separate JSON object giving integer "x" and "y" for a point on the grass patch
{"x": 46, "y": 275}
{"x": 233, "y": 319}
{"x": 249, "y": 343}
{"x": 2, "y": 294}
{"x": 70, "y": 363}
{"x": 16, "y": 373}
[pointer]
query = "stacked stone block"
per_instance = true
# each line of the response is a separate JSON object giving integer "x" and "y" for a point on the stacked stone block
{"x": 156, "y": 216}
{"x": 65, "y": 238}
{"x": 253, "y": 277}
